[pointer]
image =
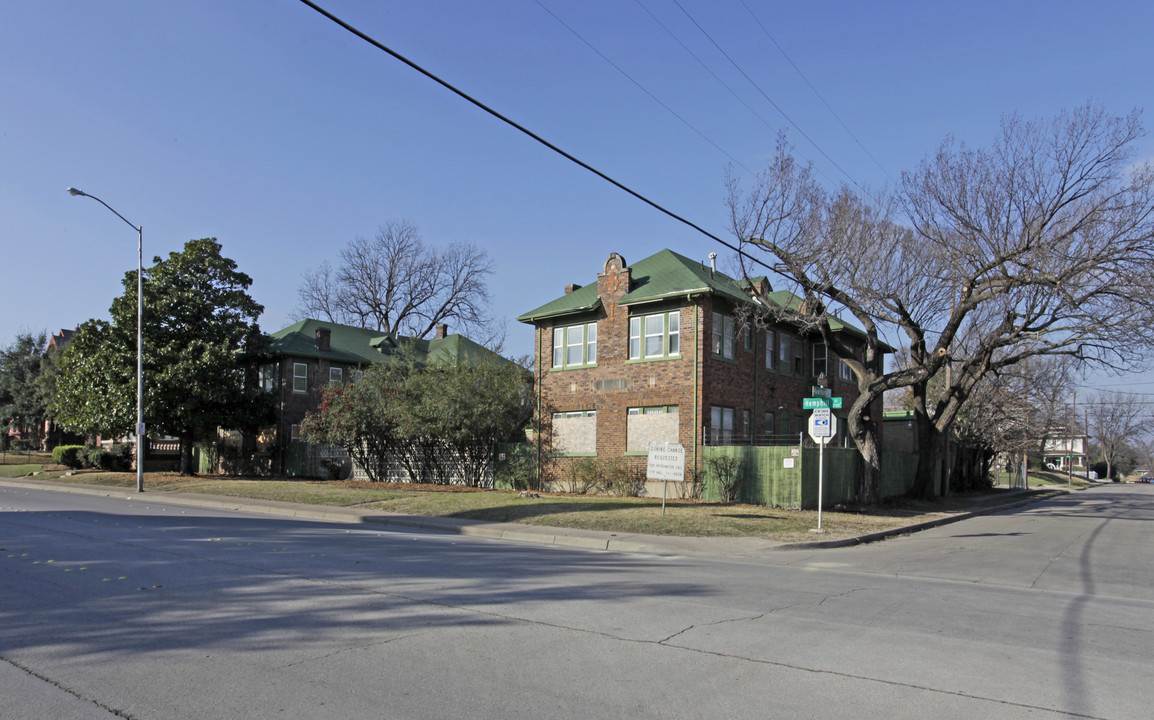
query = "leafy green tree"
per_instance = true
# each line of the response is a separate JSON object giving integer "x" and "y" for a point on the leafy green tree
{"x": 198, "y": 316}
{"x": 467, "y": 410}
{"x": 96, "y": 381}
{"x": 20, "y": 403}
{"x": 362, "y": 417}
{"x": 426, "y": 417}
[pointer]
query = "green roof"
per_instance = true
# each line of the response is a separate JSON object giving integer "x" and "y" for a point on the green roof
{"x": 362, "y": 346}
{"x": 657, "y": 277}
{"x": 670, "y": 275}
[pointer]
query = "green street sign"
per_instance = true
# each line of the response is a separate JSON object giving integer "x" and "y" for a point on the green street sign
{"x": 815, "y": 403}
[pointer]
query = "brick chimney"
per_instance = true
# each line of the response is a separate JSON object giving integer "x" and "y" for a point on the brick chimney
{"x": 441, "y": 331}
{"x": 571, "y": 287}
{"x": 324, "y": 337}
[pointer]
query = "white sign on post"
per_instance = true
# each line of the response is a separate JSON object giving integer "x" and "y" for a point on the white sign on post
{"x": 666, "y": 462}
{"x": 822, "y": 425}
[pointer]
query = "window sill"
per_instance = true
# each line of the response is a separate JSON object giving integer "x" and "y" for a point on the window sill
{"x": 634, "y": 361}
{"x": 572, "y": 367}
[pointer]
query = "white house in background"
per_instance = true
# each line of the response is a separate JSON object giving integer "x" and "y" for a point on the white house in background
{"x": 1061, "y": 447}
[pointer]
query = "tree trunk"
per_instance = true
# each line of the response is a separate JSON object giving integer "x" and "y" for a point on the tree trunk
{"x": 186, "y": 454}
{"x": 931, "y": 447}
{"x": 865, "y": 436}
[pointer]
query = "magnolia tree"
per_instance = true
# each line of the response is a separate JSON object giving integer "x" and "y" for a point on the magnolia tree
{"x": 198, "y": 317}
{"x": 1038, "y": 245}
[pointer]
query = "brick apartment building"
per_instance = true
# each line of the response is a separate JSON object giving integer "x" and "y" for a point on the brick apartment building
{"x": 299, "y": 361}
{"x": 658, "y": 351}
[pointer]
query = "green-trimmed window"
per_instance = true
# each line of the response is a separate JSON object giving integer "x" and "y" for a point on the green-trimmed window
{"x": 820, "y": 360}
{"x": 656, "y": 335}
{"x": 656, "y": 423}
{"x": 723, "y": 335}
{"x": 785, "y": 351}
{"x": 575, "y": 346}
{"x": 574, "y": 432}
{"x": 720, "y": 425}
{"x": 300, "y": 377}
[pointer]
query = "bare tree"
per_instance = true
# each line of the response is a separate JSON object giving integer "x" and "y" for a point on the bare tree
{"x": 1038, "y": 246}
{"x": 395, "y": 283}
{"x": 1117, "y": 422}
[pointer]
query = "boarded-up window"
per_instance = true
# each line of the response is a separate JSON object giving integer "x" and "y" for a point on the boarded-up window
{"x": 574, "y": 432}
{"x": 650, "y": 424}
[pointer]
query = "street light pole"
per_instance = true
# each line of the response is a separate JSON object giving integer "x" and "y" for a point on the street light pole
{"x": 139, "y": 335}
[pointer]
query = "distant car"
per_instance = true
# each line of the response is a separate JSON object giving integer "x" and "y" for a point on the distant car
{"x": 1146, "y": 479}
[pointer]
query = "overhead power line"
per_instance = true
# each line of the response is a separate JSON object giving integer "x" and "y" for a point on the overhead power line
{"x": 800, "y": 74}
{"x": 641, "y": 87}
{"x": 768, "y": 99}
{"x": 526, "y": 131}
{"x": 716, "y": 77}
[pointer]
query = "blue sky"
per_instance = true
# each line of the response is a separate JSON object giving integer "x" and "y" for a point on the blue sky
{"x": 269, "y": 127}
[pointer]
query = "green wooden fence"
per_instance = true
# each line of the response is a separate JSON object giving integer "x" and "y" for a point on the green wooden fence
{"x": 787, "y": 477}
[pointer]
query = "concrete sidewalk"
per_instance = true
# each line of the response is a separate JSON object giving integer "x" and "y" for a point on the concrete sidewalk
{"x": 516, "y": 532}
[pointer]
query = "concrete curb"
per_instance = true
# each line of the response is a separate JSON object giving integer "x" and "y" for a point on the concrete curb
{"x": 514, "y": 532}
{"x": 917, "y": 527}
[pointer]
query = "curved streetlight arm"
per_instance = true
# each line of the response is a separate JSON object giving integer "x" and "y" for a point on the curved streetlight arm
{"x": 75, "y": 193}
{"x": 139, "y": 335}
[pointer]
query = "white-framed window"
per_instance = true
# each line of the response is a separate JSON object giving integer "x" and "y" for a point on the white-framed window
{"x": 770, "y": 337}
{"x": 657, "y": 335}
{"x": 336, "y": 375}
{"x": 300, "y": 377}
{"x": 266, "y": 377}
{"x": 723, "y": 335}
{"x": 820, "y": 359}
{"x": 747, "y": 338}
{"x": 656, "y": 423}
{"x": 295, "y": 432}
{"x": 720, "y": 425}
{"x": 575, "y": 346}
{"x": 358, "y": 375}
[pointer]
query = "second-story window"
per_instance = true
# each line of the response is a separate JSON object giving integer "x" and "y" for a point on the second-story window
{"x": 655, "y": 336}
{"x": 785, "y": 351}
{"x": 770, "y": 336}
{"x": 820, "y": 363}
{"x": 575, "y": 346}
{"x": 300, "y": 377}
{"x": 723, "y": 343}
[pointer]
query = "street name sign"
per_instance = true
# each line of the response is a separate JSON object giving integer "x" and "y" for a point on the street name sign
{"x": 812, "y": 403}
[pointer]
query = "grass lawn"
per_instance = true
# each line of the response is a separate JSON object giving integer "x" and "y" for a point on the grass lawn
{"x": 613, "y": 514}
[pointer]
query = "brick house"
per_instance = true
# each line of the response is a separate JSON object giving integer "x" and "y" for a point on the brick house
{"x": 298, "y": 362}
{"x": 657, "y": 351}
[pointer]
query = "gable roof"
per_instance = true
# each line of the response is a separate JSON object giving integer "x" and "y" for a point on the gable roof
{"x": 362, "y": 346}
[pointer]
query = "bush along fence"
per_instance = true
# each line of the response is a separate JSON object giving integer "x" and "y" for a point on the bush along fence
{"x": 508, "y": 465}
{"x": 787, "y": 477}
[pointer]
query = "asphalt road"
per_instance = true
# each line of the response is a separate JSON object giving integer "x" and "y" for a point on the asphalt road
{"x": 126, "y": 607}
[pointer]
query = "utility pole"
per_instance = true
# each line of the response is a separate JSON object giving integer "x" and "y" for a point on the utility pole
{"x": 1070, "y": 455}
